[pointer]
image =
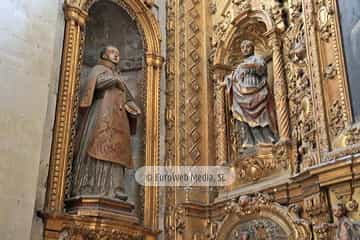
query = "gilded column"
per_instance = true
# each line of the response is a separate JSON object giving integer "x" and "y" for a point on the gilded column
{"x": 66, "y": 105}
{"x": 280, "y": 90}
{"x": 153, "y": 70}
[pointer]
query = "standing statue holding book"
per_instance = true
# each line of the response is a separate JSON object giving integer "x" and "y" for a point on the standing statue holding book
{"x": 250, "y": 101}
{"x": 103, "y": 144}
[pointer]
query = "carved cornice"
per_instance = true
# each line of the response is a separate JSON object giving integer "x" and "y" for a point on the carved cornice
{"x": 76, "y": 14}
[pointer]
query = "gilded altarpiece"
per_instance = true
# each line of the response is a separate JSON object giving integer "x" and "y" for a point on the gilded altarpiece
{"x": 309, "y": 177}
{"x": 314, "y": 165}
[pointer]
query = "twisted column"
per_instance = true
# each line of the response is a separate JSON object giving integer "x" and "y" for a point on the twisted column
{"x": 220, "y": 120}
{"x": 280, "y": 89}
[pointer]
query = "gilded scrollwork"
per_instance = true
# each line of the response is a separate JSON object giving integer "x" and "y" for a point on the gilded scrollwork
{"x": 299, "y": 89}
{"x": 277, "y": 13}
{"x": 324, "y": 14}
{"x": 330, "y": 71}
{"x": 317, "y": 207}
{"x": 337, "y": 124}
{"x": 347, "y": 141}
{"x": 352, "y": 136}
{"x": 82, "y": 231}
{"x": 241, "y": 6}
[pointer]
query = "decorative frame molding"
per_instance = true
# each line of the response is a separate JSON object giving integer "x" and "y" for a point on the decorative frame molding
{"x": 76, "y": 12}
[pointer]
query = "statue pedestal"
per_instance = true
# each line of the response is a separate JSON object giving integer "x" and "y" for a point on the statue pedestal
{"x": 69, "y": 226}
{"x": 101, "y": 207}
{"x": 94, "y": 217}
{"x": 259, "y": 168}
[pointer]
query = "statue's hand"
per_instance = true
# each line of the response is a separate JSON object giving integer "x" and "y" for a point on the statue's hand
{"x": 132, "y": 108}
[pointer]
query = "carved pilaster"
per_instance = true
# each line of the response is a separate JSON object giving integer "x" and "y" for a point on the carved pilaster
{"x": 220, "y": 120}
{"x": 66, "y": 114}
{"x": 171, "y": 116}
{"x": 317, "y": 207}
{"x": 315, "y": 77}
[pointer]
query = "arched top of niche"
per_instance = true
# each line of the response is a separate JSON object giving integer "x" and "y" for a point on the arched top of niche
{"x": 109, "y": 24}
{"x": 139, "y": 12}
{"x": 249, "y": 208}
{"x": 253, "y": 25}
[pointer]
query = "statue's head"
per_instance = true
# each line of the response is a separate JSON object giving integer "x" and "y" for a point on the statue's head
{"x": 247, "y": 48}
{"x": 339, "y": 210}
{"x": 110, "y": 53}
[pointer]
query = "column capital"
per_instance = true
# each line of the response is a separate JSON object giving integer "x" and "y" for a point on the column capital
{"x": 153, "y": 59}
{"x": 75, "y": 13}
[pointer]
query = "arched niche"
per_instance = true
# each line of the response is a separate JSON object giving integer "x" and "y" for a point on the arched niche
{"x": 256, "y": 25}
{"x": 110, "y": 24}
{"x": 262, "y": 218}
{"x": 75, "y": 62}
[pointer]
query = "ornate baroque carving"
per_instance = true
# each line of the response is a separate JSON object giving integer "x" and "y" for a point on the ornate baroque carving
{"x": 324, "y": 24}
{"x": 315, "y": 76}
{"x": 299, "y": 89}
{"x": 171, "y": 118}
{"x": 193, "y": 85}
{"x": 330, "y": 71}
{"x": 317, "y": 207}
{"x": 337, "y": 124}
{"x": 80, "y": 231}
{"x": 252, "y": 208}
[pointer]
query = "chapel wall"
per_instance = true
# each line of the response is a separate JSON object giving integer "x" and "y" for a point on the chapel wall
{"x": 31, "y": 36}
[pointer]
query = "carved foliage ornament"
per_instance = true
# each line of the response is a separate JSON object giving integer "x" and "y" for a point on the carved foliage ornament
{"x": 83, "y": 232}
{"x": 337, "y": 124}
{"x": 299, "y": 88}
{"x": 323, "y": 20}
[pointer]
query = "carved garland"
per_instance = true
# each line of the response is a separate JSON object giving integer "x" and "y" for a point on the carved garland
{"x": 75, "y": 15}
